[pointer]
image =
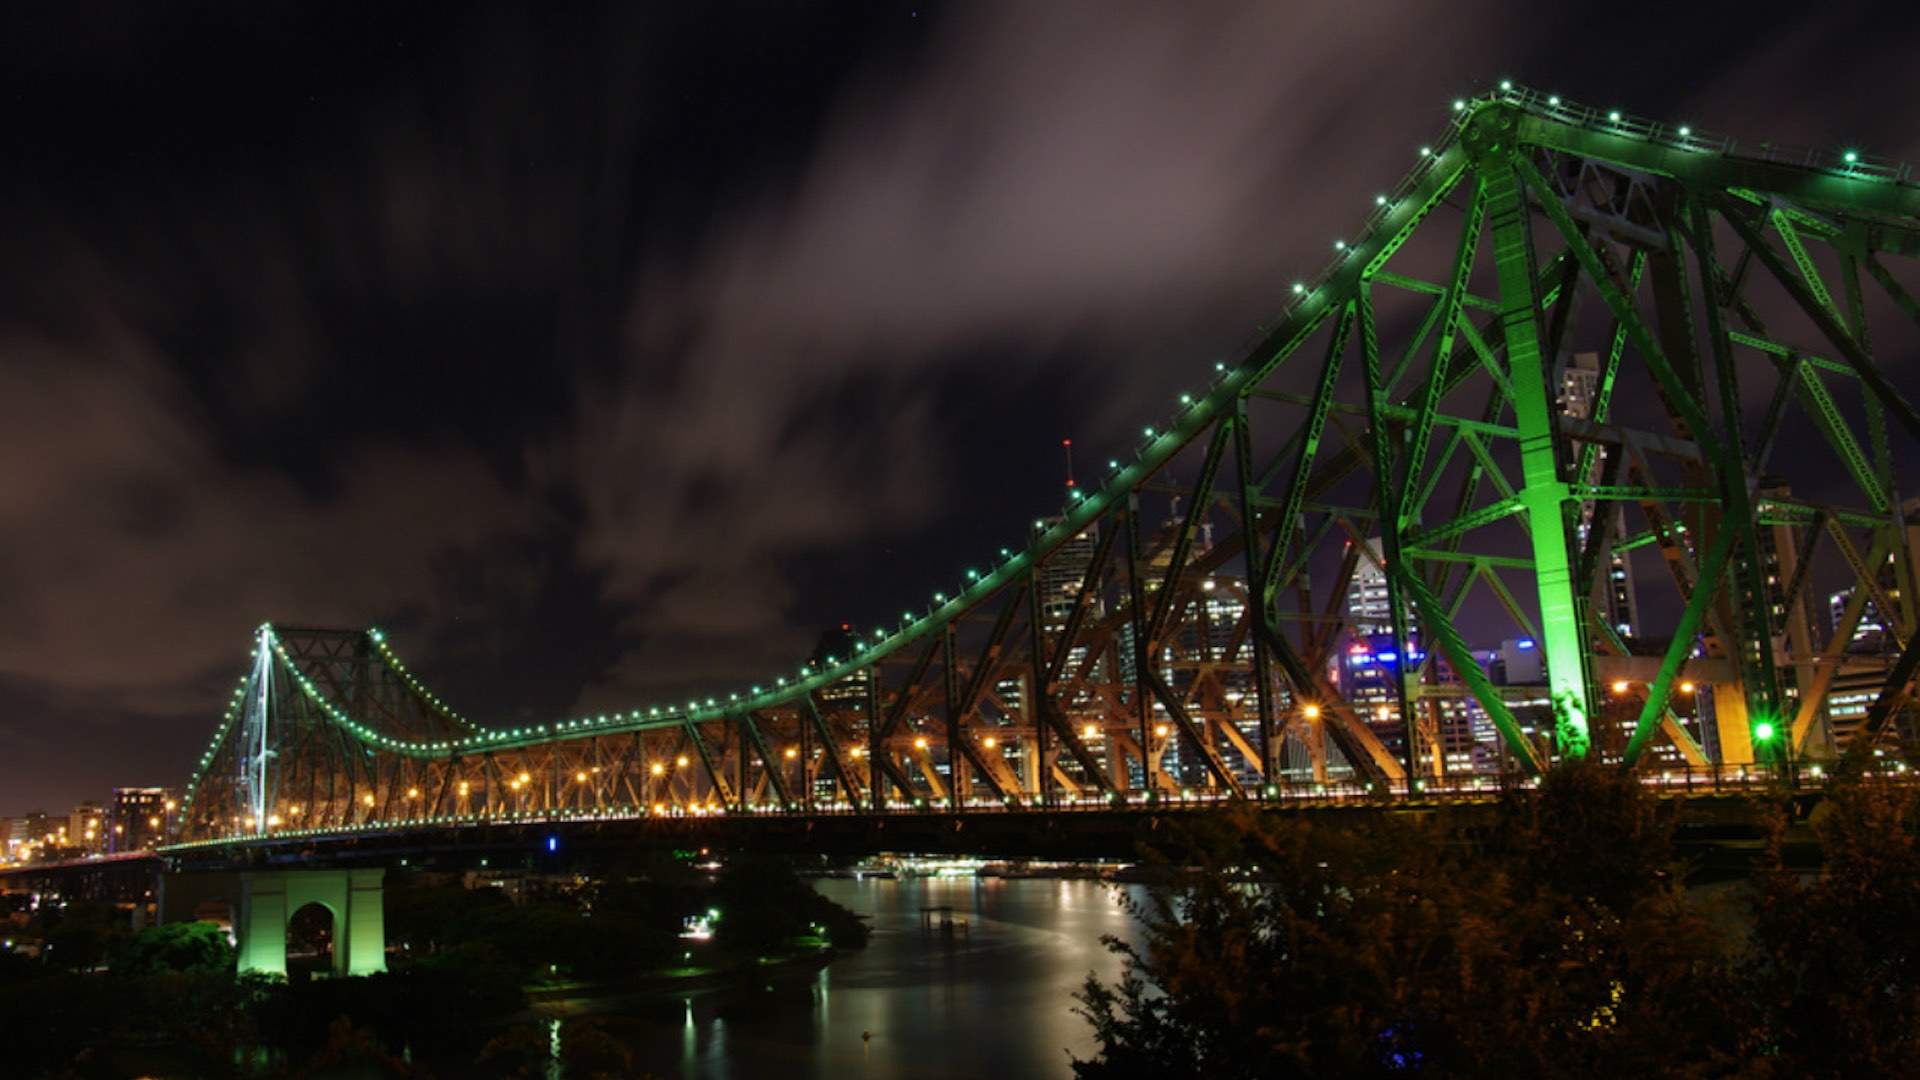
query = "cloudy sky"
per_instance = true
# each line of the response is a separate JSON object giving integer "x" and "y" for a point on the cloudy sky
{"x": 605, "y": 359}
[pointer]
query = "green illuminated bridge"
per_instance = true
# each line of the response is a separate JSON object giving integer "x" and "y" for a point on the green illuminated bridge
{"x": 1607, "y": 397}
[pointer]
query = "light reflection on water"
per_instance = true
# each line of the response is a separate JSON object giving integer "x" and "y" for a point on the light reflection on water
{"x": 994, "y": 1000}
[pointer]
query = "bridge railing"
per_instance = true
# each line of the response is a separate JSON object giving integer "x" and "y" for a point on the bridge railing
{"x": 1677, "y": 782}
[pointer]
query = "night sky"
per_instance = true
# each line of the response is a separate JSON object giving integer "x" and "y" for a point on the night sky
{"x": 607, "y": 358}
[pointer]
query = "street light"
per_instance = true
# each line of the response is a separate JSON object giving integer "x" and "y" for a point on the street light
{"x": 1621, "y": 686}
{"x": 1311, "y": 712}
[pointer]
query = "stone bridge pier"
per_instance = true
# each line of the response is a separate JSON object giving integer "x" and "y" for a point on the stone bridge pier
{"x": 263, "y": 902}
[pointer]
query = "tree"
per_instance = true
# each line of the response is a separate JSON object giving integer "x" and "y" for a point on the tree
{"x": 195, "y": 946}
{"x": 1459, "y": 944}
{"x": 1835, "y": 965}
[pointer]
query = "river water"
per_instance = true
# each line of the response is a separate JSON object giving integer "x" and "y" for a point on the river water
{"x": 993, "y": 999}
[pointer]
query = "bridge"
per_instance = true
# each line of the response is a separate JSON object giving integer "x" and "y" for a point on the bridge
{"x": 1575, "y": 377}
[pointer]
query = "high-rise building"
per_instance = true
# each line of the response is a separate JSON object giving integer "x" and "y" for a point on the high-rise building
{"x": 1368, "y": 612}
{"x": 1870, "y": 633}
{"x": 1452, "y": 721}
{"x": 29, "y": 832}
{"x": 1064, "y": 571}
{"x": 87, "y": 827}
{"x": 1579, "y": 386}
{"x": 137, "y": 820}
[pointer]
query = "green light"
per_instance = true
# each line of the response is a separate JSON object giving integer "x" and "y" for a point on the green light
{"x": 1553, "y": 100}
{"x": 1148, "y": 431}
{"x": 1763, "y": 731}
{"x": 1459, "y": 105}
{"x": 1426, "y": 151}
{"x": 1850, "y": 157}
{"x": 1299, "y": 289}
{"x": 1506, "y": 84}
{"x": 1614, "y": 116}
{"x": 1685, "y": 131}
{"x": 1379, "y": 200}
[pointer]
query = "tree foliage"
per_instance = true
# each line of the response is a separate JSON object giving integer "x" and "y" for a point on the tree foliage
{"x": 192, "y": 946}
{"x": 1554, "y": 937}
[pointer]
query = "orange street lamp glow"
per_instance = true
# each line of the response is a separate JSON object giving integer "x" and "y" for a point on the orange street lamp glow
{"x": 1687, "y": 687}
{"x": 1160, "y": 729}
{"x": 920, "y": 743}
{"x": 680, "y": 762}
{"x": 656, "y": 768}
{"x": 1311, "y": 712}
{"x": 1089, "y": 731}
{"x": 990, "y": 742}
{"x": 1621, "y": 686}
{"x": 792, "y": 753}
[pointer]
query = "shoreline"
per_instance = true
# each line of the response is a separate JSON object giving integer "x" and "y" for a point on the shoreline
{"x": 587, "y": 998}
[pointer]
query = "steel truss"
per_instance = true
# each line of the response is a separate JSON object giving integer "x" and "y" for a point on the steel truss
{"x": 1183, "y": 631}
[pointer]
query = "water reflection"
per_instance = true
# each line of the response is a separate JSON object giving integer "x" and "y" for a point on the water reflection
{"x": 994, "y": 997}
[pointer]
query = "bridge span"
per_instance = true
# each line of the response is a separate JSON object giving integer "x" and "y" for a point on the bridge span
{"x": 1560, "y": 456}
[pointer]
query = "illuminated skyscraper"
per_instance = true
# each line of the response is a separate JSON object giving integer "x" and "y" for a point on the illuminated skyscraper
{"x": 1579, "y": 386}
{"x": 138, "y": 818}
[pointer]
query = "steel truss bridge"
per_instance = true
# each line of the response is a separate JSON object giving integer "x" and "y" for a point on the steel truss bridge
{"x": 1570, "y": 348}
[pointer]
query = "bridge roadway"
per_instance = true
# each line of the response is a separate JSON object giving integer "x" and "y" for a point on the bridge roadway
{"x": 1716, "y": 809}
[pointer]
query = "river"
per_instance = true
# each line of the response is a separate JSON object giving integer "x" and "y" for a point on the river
{"x": 993, "y": 999}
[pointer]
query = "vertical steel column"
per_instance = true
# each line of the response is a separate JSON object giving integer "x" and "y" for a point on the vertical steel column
{"x": 1543, "y": 493}
{"x": 1758, "y": 677}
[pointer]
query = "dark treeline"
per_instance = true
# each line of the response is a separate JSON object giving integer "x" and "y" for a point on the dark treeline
{"x": 1560, "y": 940}
{"x": 165, "y": 1002}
